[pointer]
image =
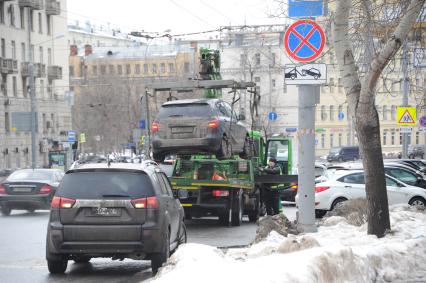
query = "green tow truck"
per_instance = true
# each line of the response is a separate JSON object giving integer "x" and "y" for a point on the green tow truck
{"x": 237, "y": 191}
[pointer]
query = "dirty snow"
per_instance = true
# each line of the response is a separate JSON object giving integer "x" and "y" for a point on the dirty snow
{"x": 338, "y": 252}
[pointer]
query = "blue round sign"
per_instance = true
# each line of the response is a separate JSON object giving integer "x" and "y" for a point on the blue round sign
{"x": 272, "y": 116}
{"x": 341, "y": 116}
{"x": 422, "y": 121}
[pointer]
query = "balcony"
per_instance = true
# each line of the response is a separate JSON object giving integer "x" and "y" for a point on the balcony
{"x": 8, "y": 66}
{"x": 39, "y": 70}
{"x": 53, "y": 7}
{"x": 33, "y": 4}
{"x": 54, "y": 72}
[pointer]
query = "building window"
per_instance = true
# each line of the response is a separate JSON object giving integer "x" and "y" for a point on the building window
{"x": 385, "y": 113}
{"x": 323, "y": 114}
{"x": 138, "y": 69}
{"x": 393, "y": 137}
{"x": 154, "y": 68}
{"x": 385, "y": 134}
{"x": 273, "y": 83}
{"x": 22, "y": 17}
{"x": 14, "y": 87}
{"x": 339, "y": 85}
{"x": 257, "y": 80}
{"x": 393, "y": 112}
{"x": 331, "y": 113}
{"x": 417, "y": 138}
{"x": 400, "y": 138}
{"x": 331, "y": 140}
{"x": 145, "y": 68}
{"x": 171, "y": 68}
{"x": 40, "y": 23}
{"x": 24, "y": 87}
{"x": 3, "y": 48}
{"x": 1, "y": 12}
{"x": 49, "y": 56}
{"x": 119, "y": 69}
{"x": 95, "y": 70}
{"x": 23, "y": 52}
{"x": 71, "y": 71}
{"x": 52, "y": 120}
{"x": 6, "y": 122}
{"x": 48, "y": 23}
{"x": 322, "y": 140}
{"x": 340, "y": 139}
{"x": 162, "y": 68}
{"x": 111, "y": 69}
{"x": 128, "y": 69}
{"x": 13, "y": 50}
{"x": 331, "y": 85}
{"x": 273, "y": 56}
{"x": 340, "y": 109}
{"x": 32, "y": 52}
{"x": 32, "y": 20}
{"x": 257, "y": 59}
{"x": 285, "y": 88}
{"x": 41, "y": 89}
{"x": 186, "y": 67}
{"x": 12, "y": 14}
{"x": 41, "y": 54}
{"x": 243, "y": 60}
{"x": 44, "y": 123}
{"x": 103, "y": 69}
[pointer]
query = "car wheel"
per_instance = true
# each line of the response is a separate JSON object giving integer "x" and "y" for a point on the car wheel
{"x": 292, "y": 77}
{"x": 417, "y": 202}
{"x": 316, "y": 77}
{"x": 31, "y": 210}
{"x": 224, "y": 217}
{"x": 5, "y": 210}
{"x": 237, "y": 209}
{"x": 319, "y": 213}
{"x": 224, "y": 151}
{"x": 158, "y": 259}
{"x": 337, "y": 201}
{"x": 247, "y": 151}
{"x": 82, "y": 259}
{"x": 354, "y": 159}
{"x": 182, "y": 238}
{"x": 57, "y": 266}
{"x": 253, "y": 215}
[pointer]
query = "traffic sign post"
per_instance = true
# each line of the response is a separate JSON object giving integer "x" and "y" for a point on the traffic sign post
{"x": 304, "y": 41}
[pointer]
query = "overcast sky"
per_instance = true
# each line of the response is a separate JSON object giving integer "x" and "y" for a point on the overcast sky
{"x": 180, "y": 16}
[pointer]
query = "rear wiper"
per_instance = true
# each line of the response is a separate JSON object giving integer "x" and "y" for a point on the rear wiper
{"x": 115, "y": 196}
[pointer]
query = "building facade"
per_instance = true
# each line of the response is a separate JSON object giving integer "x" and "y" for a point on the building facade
{"x": 33, "y": 31}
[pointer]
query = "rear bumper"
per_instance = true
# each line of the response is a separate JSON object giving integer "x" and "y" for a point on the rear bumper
{"x": 149, "y": 241}
{"x": 186, "y": 146}
{"x": 26, "y": 201}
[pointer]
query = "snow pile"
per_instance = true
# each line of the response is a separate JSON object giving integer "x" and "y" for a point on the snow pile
{"x": 338, "y": 252}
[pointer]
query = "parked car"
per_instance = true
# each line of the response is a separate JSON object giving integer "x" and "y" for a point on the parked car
{"x": 313, "y": 72}
{"x": 192, "y": 126}
{"x": 117, "y": 210}
{"x": 406, "y": 176}
{"x": 29, "y": 189}
{"x": 343, "y": 153}
{"x": 4, "y": 173}
{"x": 416, "y": 151}
{"x": 350, "y": 185}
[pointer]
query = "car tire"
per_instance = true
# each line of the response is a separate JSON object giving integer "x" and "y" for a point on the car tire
{"x": 316, "y": 77}
{"x": 158, "y": 259}
{"x": 31, "y": 210}
{"x": 337, "y": 201}
{"x": 247, "y": 151}
{"x": 292, "y": 77}
{"x": 320, "y": 213}
{"x": 224, "y": 151}
{"x": 253, "y": 215}
{"x": 224, "y": 217}
{"x": 57, "y": 266}
{"x": 417, "y": 202}
{"x": 5, "y": 210}
{"x": 237, "y": 209}
{"x": 82, "y": 259}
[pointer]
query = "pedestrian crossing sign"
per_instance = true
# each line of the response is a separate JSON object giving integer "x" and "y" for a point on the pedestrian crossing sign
{"x": 406, "y": 116}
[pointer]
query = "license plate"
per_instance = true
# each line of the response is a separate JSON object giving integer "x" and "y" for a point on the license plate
{"x": 106, "y": 211}
{"x": 182, "y": 130}
{"x": 22, "y": 189}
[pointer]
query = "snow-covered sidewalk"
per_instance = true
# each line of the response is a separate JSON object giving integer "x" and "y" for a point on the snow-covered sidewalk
{"x": 338, "y": 252}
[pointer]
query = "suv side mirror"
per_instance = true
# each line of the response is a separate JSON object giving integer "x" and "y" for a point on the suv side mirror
{"x": 241, "y": 117}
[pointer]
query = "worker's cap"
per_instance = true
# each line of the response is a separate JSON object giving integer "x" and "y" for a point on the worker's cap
{"x": 273, "y": 160}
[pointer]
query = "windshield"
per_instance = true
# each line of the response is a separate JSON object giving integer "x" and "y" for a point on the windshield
{"x": 31, "y": 175}
{"x": 187, "y": 110}
{"x": 335, "y": 150}
{"x": 278, "y": 150}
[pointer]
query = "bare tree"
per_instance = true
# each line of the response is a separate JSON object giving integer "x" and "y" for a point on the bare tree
{"x": 360, "y": 87}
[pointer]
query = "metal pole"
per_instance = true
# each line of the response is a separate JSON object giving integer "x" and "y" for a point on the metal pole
{"x": 147, "y": 126}
{"x": 405, "y": 95}
{"x": 306, "y": 157}
{"x": 32, "y": 96}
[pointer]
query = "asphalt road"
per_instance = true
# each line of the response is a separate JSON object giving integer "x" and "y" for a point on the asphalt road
{"x": 22, "y": 250}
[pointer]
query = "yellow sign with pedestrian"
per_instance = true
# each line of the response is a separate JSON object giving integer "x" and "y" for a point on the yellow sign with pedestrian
{"x": 406, "y": 116}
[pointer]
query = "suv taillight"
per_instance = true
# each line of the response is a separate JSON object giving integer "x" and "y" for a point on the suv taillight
{"x": 321, "y": 189}
{"x": 150, "y": 202}
{"x": 60, "y": 202}
{"x": 2, "y": 190}
{"x": 46, "y": 189}
{"x": 155, "y": 127}
{"x": 213, "y": 124}
{"x": 220, "y": 193}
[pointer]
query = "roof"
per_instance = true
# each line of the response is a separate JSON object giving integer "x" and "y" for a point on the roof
{"x": 116, "y": 165}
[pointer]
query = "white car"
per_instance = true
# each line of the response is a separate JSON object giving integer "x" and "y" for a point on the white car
{"x": 344, "y": 185}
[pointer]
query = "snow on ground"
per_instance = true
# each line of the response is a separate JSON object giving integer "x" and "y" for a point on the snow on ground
{"x": 338, "y": 252}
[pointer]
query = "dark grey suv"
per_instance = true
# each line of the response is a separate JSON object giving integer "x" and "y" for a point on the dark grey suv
{"x": 191, "y": 126}
{"x": 118, "y": 211}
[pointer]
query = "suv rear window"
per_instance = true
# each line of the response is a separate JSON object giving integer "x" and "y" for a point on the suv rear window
{"x": 187, "y": 110}
{"x": 96, "y": 185}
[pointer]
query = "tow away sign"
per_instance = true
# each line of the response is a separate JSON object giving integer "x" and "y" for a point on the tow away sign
{"x": 305, "y": 74}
